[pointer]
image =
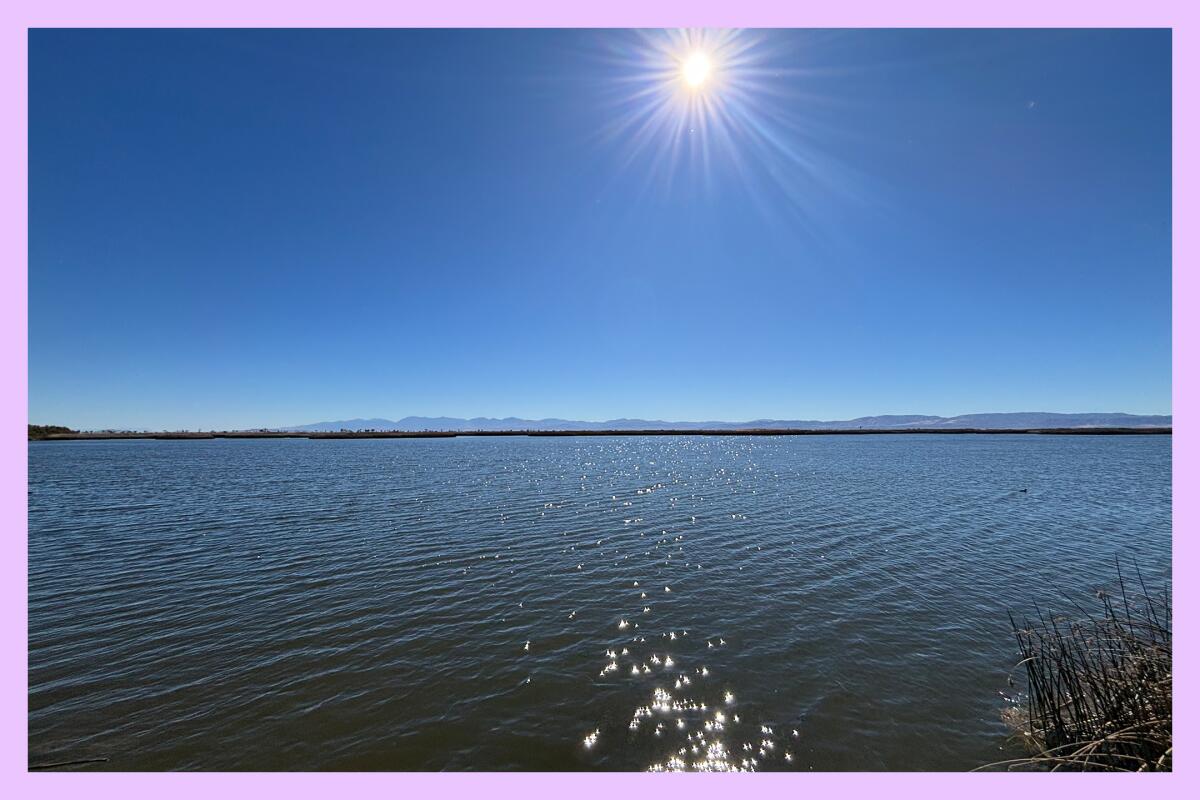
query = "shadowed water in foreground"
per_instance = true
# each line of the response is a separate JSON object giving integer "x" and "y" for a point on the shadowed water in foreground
{"x": 829, "y": 603}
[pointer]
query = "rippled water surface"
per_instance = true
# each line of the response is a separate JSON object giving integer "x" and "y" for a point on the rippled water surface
{"x": 826, "y": 602}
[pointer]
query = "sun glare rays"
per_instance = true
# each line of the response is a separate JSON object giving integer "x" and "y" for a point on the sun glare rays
{"x": 689, "y": 108}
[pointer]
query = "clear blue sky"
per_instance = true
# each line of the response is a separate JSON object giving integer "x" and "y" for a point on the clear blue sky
{"x": 238, "y": 228}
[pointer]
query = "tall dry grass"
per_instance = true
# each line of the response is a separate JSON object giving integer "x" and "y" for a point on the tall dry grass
{"x": 1097, "y": 692}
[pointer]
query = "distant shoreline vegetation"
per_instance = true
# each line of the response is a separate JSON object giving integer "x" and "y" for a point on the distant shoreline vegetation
{"x": 46, "y": 431}
{"x": 58, "y": 433}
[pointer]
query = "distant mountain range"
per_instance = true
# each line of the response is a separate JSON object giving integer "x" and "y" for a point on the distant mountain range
{"x": 1022, "y": 419}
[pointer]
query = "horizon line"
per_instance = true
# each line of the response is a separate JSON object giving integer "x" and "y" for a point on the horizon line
{"x": 648, "y": 421}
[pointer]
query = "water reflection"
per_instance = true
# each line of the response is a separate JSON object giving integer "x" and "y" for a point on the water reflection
{"x": 671, "y": 603}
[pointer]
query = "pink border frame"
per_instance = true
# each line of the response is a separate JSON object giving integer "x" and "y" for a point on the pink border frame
{"x": 19, "y": 15}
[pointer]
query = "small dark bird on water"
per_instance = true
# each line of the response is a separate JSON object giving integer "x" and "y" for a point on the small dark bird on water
{"x": 1024, "y": 490}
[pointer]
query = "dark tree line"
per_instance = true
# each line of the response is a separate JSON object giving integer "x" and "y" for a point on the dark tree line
{"x": 43, "y": 431}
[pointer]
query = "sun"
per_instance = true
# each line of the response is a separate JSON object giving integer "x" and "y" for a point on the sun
{"x": 692, "y": 109}
{"x": 697, "y": 68}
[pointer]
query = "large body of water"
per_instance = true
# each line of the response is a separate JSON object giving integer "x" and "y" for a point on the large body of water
{"x": 834, "y": 602}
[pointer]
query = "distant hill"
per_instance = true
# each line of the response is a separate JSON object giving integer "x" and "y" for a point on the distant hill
{"x": 1021, "y": 419}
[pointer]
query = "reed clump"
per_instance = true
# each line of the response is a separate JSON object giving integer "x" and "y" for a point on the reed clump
{"x": 1098, "y": 684}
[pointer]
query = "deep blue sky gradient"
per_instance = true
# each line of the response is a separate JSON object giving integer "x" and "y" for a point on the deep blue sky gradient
{"x": 243, "y": 228}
